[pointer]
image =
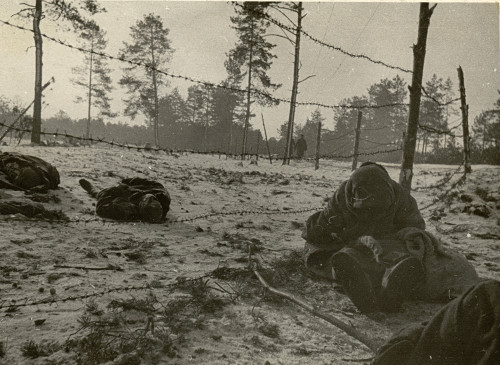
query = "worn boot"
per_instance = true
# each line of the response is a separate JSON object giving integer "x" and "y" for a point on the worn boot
{"x": 347, "y": 269}
{"x": 398, "y": 282}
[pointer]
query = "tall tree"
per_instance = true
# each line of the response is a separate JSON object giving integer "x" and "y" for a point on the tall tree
{"x": 432, "y": 112}
{"x": 253, "y": 54}
{"x": 238, "y": 117}
{"x": 54, "y": 10}
{"x": 224, "y": 110}
{"x": 486, "y": 128}
{"x": 173, "y": 118}
{"x": 386, "y": 125}
{"x": 150, "y": 47}
{"x": 341, "y": 141}
{"x": 94, "y": 75}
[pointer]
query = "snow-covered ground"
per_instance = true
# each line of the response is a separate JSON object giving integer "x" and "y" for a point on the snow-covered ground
{"x": 47, "y": 260}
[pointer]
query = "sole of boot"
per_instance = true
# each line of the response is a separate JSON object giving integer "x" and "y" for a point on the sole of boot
{"x": 348, "y": 272}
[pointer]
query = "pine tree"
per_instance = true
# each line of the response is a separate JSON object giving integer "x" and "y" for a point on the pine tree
{"x": 151, "y": 48}
{"x": 173, "y": 118}
{"x": 252, "y": 54}
{"x": 384, "y": 127}
{"x": 56, "y": 11}
{"x": 341, "y": 142}
{"x": 93, "y": 77}
{"x": 432, "y": 113}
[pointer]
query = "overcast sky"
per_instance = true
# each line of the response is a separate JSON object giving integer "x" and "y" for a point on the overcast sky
{"x": 465, "y": 34}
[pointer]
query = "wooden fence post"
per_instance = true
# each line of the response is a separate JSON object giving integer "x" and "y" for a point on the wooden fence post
{"x": 318, "y": 142}
{"x": 406, "y": 173}
{"x": 465, "y": 121}
{"x": 267, "y": 142}
{"x": 356, "y": 142}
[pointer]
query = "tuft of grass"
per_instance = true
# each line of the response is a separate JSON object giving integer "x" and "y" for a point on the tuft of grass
{"x": 93, "y": 308}
{"x": 33, "y": 350}
{"x": 482, "y": 193}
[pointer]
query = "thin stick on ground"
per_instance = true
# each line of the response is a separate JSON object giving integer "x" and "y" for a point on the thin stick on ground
{"x": 351, "y": 331}
{"x": 109, "y": 267}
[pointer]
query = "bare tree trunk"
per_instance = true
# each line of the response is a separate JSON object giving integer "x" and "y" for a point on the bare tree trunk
{"x": 465, "y": 121}
{"x": 296, "y": 63}
{"x": 87, "y": 135}
{"x": 37, "y": 108}
{"x": 155, "y": 89}
{"x": 406, "y": 173}
{"x": 249, "y": 87}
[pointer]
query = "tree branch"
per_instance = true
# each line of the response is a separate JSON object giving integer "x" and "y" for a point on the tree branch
{"x": 280, "y": 36}
{"x": 350, "y": 330}
{"x": 308, "y": 77}
{"x": 282, "y": 13}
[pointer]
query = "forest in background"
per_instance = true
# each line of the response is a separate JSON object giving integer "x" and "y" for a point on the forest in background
{"x": 211, "y": 120}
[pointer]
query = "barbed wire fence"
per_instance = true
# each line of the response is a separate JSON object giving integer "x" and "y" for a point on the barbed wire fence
{"x": 122, "y": 58}
{"x": 13, "y": 304}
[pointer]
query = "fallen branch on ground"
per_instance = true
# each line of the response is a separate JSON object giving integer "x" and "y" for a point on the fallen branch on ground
{"x": 109, "y": 267}
{"x": 351, "y": 331}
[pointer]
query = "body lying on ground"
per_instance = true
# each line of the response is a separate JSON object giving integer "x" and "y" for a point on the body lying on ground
{"x": 371, "y": 238}
{"x": 23, "y": 172}
{"x": 466, "y": 331}
{"x": 133, "y": 199}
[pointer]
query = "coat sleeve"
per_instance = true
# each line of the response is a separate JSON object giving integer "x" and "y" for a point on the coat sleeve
{"x": 322, "y": 236}
{"x": 114, "y": 203}
{"x": 407, "y": 213}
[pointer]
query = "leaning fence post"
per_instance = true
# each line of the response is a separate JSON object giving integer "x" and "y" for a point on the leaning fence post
{"x": 465, "y": 121}
{"x": 356, "y": 142}
{"x": 267, "y": 142}
{"x": 318, "y": 142}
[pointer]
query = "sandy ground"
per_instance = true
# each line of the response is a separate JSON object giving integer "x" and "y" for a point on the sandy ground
{"x": 234, "y": 320}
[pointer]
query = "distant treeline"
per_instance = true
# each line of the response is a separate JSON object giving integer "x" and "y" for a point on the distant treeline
{"x": 213, "y": 119}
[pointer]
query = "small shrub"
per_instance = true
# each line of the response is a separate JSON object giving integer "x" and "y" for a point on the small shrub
{"x": 33, "y": 350}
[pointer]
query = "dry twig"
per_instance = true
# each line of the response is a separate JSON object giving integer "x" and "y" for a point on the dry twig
{"x": 351, "y": 331}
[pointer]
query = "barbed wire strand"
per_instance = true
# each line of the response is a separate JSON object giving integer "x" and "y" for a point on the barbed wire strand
{"x": 205, "y": 83}
{"x": 324, "y": 44}
{"x": 26, "y": 302}
{"x": 156, "y": 149}
{"x": 443, "y": 182}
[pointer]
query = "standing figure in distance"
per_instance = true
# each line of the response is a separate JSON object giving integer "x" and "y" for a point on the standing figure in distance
{"x": 301, "y": 146}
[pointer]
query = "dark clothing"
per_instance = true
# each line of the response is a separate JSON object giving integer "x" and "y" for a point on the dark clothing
{"x": 370, "y": 203}
{"x": 122, "y": 202}
{"x": 301, "y": 147}
{"x": 435, "y": 273}
{"x": 23, "y": 172}
{"x": 464, "y": 332}
{"x": 448, "y": 274}
{"x": 31, "y": 210}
